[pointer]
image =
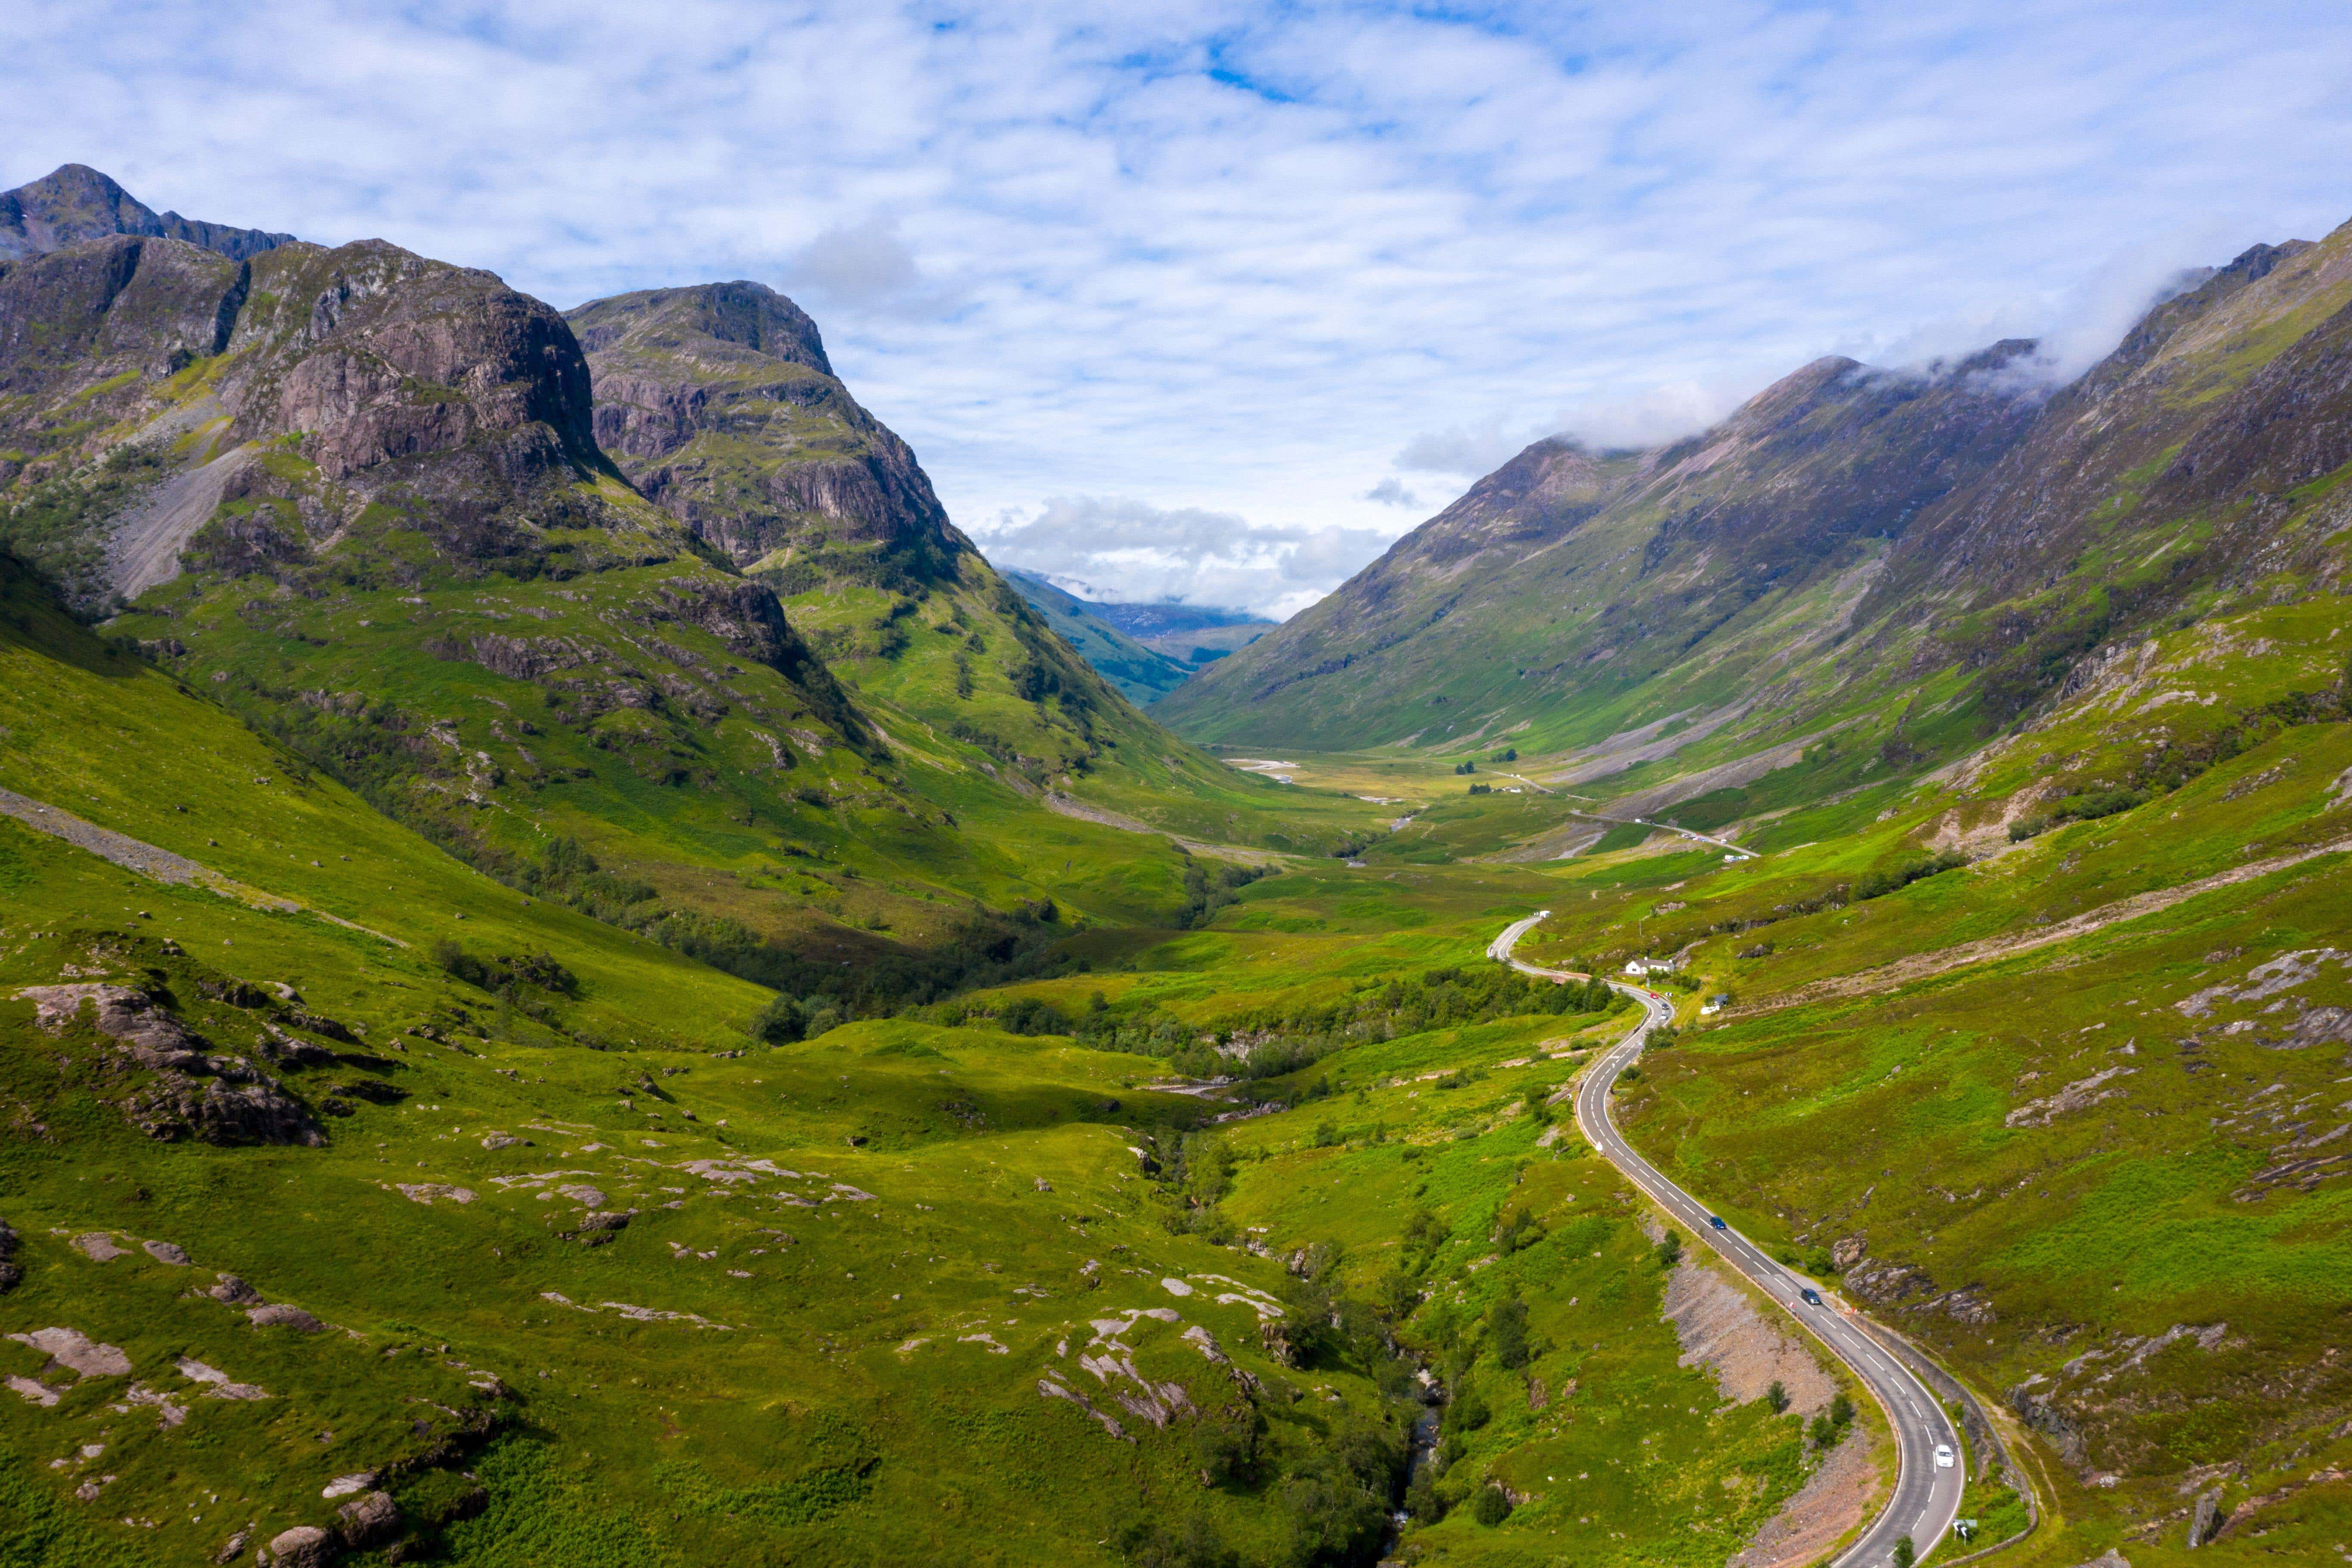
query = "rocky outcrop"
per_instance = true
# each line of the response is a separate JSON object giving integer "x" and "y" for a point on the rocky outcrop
{"x": 304, "y": 1546}
{"x": 720, "y": 403}
{"x": 191, "y": 1092}
{"x": 368, "y": 374}
{"x": 2205, "y": 1520}
{"x": 379, "y": 354}
{"x": 368, "y": 1521}
{"x": 125, "y": 303}
{"x": 2039, "y": 1411}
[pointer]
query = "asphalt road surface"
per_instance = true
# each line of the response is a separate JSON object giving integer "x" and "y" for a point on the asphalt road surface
{"x": 1927, "y": 1497}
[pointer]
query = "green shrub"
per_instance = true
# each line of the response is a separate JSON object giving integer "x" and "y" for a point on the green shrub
{"x": 1493, "y": 1506}
{"x": 1468, "y": 1413}
{"x": 1507, "y": 1330}
{"x": 2076, "y": 808}
{"x": 1878, "y": 884}
{"x": 1029, "y": 1015}
{"x": 780, "y": 1022}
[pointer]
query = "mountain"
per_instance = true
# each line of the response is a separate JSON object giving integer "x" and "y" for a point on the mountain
{"x": 1844, "y": 536}
{"x": 1141, "y": 675}
{"x": 361, "y": 496}
{"x": 1192, "y": 635}
{"x": 74, "y": 203}
{"x": 1570, "y": 582}
{"x": 719, "y": 404}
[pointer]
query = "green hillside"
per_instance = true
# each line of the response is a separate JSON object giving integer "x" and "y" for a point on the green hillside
{"x": 1141, "y": 675}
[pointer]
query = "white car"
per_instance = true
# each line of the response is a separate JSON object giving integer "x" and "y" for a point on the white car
{"x": 1943, "y": 1455}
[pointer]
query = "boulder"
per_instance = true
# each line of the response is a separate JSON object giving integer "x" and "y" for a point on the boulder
{"x": 71, "y": 1347}
{"x": 283, "y": 1317}
{"x": 234, "y": 1291}
{"x": 166, "y": 1252}
{"x": 304, "y": 1546}
{"x": 2206, "y": 1522}
{"x": 369, "y": 1520}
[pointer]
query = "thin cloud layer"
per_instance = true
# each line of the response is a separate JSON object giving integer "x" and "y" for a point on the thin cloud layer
{"x": 1242, "y": 259}
{"x": 1109, "y": 546}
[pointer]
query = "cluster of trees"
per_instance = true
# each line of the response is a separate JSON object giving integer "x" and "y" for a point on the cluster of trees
{"x": 1206, "y": 891}
{"x": 503, "y": 976}
{"x": 1274, "y": 1043}
{"x": 2076, "y": 808}
{"x": 1503, "y": 1332}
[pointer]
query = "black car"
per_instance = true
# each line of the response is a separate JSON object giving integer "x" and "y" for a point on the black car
{"x": 1810, "y": 1297}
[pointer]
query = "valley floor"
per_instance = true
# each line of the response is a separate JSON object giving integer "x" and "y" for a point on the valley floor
{"x": 1270, "y": 1241}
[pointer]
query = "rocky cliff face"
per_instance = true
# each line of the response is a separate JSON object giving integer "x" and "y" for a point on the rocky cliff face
{"x": 363, "y": 427}
{"x": 719, "y": 404}
{"x": 304, "y": 386}
{"x": 75, "y": 204}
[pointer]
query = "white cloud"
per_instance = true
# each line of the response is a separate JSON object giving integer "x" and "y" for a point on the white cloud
{"x": 860, "y": 264}
{"x": 1115, "y": 547}
{"x": 1246, "y": 254}
{"x": 1468, "y": 451}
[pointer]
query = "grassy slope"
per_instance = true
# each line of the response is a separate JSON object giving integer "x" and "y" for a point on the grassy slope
{"x": 810, "y": 1426}
{"x": 636, "y": 1422}
{"x": 1141, "y": 675}
{"x": 2119, "y": 1217}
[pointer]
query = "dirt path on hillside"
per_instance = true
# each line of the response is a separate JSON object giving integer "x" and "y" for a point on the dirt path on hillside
{"x": 1919, "y": 966}
{"x": 160, "y": 865}
{"x": 131, "y": 854}
{"x": 1068, "y": 806}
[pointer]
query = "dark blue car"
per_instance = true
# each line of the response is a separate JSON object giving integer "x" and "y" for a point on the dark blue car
{"x": 1717, "y": 1221}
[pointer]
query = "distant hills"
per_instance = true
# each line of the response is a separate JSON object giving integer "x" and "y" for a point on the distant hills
{"x": 1146, "y": 650}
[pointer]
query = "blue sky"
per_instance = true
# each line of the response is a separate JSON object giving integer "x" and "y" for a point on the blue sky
{"x": 1215, "y": 301}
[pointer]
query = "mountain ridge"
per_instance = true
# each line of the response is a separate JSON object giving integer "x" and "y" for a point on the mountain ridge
{"x": 74, "y": 203}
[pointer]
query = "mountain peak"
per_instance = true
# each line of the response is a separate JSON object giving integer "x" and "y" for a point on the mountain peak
{"x": 745, "y": 314}
{"x": 75, "y": 203}
{"x": 719, "y": 402}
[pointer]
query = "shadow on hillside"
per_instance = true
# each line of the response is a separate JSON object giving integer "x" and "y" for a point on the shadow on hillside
{"x": 31, "y": 619}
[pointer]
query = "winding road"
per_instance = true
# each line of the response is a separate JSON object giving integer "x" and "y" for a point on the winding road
{"x": 1926, "y": 1498}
